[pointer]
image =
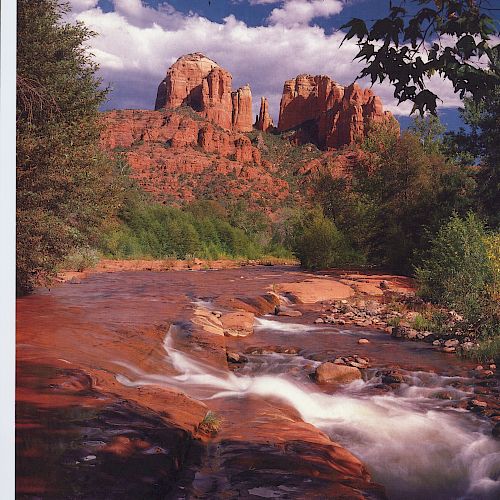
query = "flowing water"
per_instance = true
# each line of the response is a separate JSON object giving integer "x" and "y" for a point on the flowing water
{"x": 413, "y": 442}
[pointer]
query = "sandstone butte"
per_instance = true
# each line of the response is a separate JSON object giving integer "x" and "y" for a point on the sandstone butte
{"x": 196, "y": 81}
{"x": 326, "y": 113}
{"x": 194, "y": 144}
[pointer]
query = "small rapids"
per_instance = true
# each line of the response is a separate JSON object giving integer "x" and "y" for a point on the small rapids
{"x": 415, "y": 444}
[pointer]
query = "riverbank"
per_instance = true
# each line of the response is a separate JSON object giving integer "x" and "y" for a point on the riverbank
{"x": 160, "y": 265}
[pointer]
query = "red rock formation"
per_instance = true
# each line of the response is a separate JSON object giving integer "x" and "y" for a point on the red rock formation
{"x": 177, "y": 155}
{"x": 216, "y": 102}
{"x": 264, "y": 120}
{"x": 327, "y": 113}
{"x": 196, "y": 81}
{"x": 182, "y": 84}
{"x": 242, "y": 109}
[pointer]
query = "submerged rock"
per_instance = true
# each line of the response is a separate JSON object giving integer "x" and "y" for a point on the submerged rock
{"x": 392, "y": 377}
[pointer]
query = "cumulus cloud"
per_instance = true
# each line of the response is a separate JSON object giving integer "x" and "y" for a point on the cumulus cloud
{"x": 142, "y": 15}
{"x": 136, "y": 45}
{"x": 302, "y": 12}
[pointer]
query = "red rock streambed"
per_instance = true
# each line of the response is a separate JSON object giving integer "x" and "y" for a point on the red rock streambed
{"x": 116, "y": 374}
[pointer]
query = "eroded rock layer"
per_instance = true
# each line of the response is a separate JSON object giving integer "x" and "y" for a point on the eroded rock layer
{"x": 177, "y": 156}
{"x": 324, "y": 112}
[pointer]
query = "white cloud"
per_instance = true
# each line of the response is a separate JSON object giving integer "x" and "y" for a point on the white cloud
{"x": 81, "y": 5}
{"x": 142, "y": 16}
{"x": 136, "y": 45}
{"x": 302, "y": 12}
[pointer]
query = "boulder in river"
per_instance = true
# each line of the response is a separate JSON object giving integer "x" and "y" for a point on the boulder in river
{"x": 331, "y": 373}
{"x": 234, "y": 357}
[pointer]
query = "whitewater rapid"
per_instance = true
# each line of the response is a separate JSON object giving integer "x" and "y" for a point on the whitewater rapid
{"x": 417, "y": 446}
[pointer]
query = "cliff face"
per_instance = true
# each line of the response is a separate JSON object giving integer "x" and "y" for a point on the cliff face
{"x": 196, "y": 81}
{"x": 326, "y": 113}
{"x": 242, "y": 109}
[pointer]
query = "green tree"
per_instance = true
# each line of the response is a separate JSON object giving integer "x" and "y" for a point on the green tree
{"x": 66, "y": 186}
{"x": 419, "y": 38}
{"x": 429, "y": 130}
{"x": 317, "y": 242}
{"x": 396, "y": 190}
{"x": 481, "y": 143}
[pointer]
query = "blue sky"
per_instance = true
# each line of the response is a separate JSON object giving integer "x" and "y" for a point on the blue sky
{"x": 261, "y": 42}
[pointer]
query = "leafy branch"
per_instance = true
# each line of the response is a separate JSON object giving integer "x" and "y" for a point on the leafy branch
{"x": 451, "y": 38}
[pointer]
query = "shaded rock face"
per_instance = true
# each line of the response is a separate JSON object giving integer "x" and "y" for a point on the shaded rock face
{"x": 264, "y": 120}
{"x": 328, "y": 114}
{"x": 196, "y": 81}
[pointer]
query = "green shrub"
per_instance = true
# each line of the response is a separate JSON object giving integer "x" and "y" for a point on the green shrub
{"x": 488, "y": 349}
{"x": 458, "y": 273}
{"x": 203, "y": 229}
{"x": 80, "y": 259}
{"x": 394, "y": 321}
{"x": 421, "y": 323}
{"x": 317, "y": 242}
{"x": 211, "y": 423}
{"x": 492, "y": 243}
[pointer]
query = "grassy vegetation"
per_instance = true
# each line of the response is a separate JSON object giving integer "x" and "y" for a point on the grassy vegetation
{"x": 487, "y": 350}
{"x": 422, "y": 323}
{"x": 211, "y": 423}
{"x": 394, "y": 321}
{"x": 80, "y": 259}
